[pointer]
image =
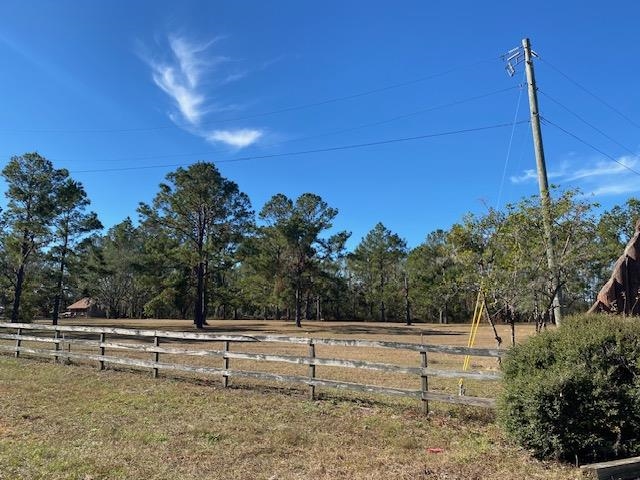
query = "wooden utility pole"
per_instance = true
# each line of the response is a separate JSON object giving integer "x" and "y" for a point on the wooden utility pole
{"x": 545, "y": 198}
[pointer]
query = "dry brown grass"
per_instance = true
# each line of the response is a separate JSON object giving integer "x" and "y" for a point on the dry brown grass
{"x": 61, "y": 422}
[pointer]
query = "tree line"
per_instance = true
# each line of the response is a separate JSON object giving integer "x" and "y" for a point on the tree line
{"x": 199, "y": 251}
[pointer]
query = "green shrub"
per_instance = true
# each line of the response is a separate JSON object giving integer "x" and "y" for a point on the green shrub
{"x": 573, "y": 393}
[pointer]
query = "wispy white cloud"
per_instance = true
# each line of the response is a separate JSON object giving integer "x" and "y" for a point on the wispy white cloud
{"x": 526, "y": 176}
{"x": 233, "y": 77}
{"x": 236, "y": 138}
{"x": 605, "y": 169}
{"x": 191, "y": 57}
{"x": 188, "y": 74}
{"x": 188, "y": 99}
{"x": 595, "y": 177}
{"x": 617, "y": 188}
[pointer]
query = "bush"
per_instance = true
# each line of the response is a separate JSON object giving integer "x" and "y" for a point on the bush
{"x": 573, "y": 393}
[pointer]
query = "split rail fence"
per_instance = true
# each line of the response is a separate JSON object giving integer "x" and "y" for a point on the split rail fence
{"x": 60, "y": 338}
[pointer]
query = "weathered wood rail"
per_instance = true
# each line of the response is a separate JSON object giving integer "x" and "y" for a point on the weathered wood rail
{"x": 623, "y": 469}
{"x": 120, "y": 339}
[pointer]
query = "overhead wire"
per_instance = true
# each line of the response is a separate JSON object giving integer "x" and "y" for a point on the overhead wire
{"x": 311, "y": 151}
{"x": 589, "y": 92}
{"x": 589, "y": 124}
{"x": 411, "y": 114}
{"x": 593, "y": 147}
{"x": 262, "y": 114}
{"x": 329, "y": 133}
{"x": 506, "y": 162}
{"x": 522, "y": 151}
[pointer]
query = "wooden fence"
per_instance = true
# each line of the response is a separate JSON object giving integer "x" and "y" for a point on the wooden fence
{"x": 154, "y": 342}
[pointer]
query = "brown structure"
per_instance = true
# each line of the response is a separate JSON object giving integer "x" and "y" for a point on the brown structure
{"x": 621, "y": 294}
{"x": 85, "y": 307}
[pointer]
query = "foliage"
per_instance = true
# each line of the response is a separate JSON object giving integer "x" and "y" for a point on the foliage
{"x": 32, "y": 190}
{"x": 375, "y": 265}
{"x": 112, "y": 264}
{"x": 574, "y": 393}
{"x": 435, "y": 288}
{"x": 504, "y": 254}
{"x": 197, "y": 251}
{"x": 295, "y": 249}
{"x": 71, "y": 224}
{"x": 207, "y": 215}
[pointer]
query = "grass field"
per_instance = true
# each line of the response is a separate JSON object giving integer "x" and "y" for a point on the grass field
{"x": 74, "y": 422}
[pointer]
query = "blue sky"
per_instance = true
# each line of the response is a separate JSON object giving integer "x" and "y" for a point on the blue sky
{"x": 122, "y": 92}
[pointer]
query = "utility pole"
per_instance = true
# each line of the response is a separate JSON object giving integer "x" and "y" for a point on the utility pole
{"x": 543, "y": 184}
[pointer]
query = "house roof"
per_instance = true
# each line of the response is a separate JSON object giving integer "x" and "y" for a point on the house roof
{"x": 81, "y": 304}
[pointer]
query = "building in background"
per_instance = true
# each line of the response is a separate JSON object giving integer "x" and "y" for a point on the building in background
{"x": 85, "y": 307}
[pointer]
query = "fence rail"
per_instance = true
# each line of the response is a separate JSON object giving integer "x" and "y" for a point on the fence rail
{"x": 120, "y": 339}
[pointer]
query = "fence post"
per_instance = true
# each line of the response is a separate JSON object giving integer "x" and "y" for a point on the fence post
{"x": 56, "y": 345}
{"x": 225, "y": 365}
{"x": 18, "y": 341}
{"x": 102, "y": 339}
{"x": 67, "y": 358}
{"x": 424, "y": 383}
{"x": 312, "y": 369}
{"x": 156, "y": 355}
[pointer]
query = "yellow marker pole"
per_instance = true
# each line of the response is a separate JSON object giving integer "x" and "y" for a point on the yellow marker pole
{"x": 475, "y": 324}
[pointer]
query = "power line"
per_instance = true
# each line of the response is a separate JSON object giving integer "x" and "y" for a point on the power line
{"x": 579, "y": 117}
{"x": 584, "y": 89}
{"x": 418, "y": 112}
{"x": 506, "y": 161}
{"x": 549, "y": 122}
{"x": 318, "y": 150}
{"x": 329, "y": 133}
{"x": 261, "y": 114}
